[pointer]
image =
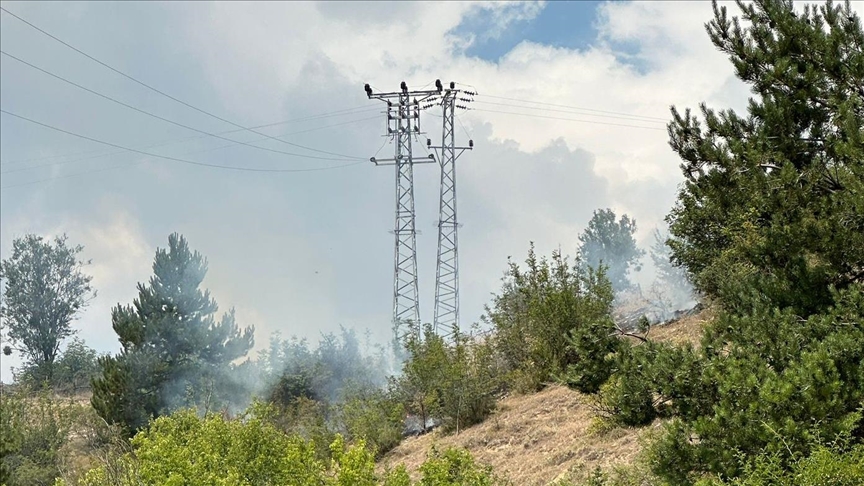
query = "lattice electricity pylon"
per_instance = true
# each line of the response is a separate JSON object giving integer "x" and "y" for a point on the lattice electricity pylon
{"x": 446, "y": 322}
{"x": 403, "y": 123}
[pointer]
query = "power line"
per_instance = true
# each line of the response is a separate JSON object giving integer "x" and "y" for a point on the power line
{"x": 593, "y": 122}
{"x": 403, "y": 122}
{"x": 166, "y": 157}
{"x": 346, "y": 111}
{"x": 570, "y": 112}
{"x": 76, "y": 174}
{"x": 132, "y": 78}
{"x": 158, "y": 117}
{"x": 574, "y": 107}
{"x": 106, "y": 154}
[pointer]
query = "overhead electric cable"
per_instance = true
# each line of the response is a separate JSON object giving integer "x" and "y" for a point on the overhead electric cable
{"x": 158, "y": 117}
{"x": 106, "y": 154}
{"x": 132, "y": 78}
{"x": 574, "y": 107}
{"x": 593, "y": 122}
{"x": 571, "y": 112}
{"x": 347, "y": 111}
{"x": 175, "y": 159}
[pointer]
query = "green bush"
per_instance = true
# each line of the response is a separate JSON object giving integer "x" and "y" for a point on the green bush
{"x": 823, "y": 466}
{"x": 373, "y": 415}
{"x": 184, "y": 449}
{"x": 763, "y": 377}
{"x": 453, "y": 382}
{"x": 627, "y": 398}
{"x": 36, "y": 429}
{"x": 653, "y": 379}
{"x": 537, "y": 310}
{"x": 456, "y": 467}
{"x": 75, "y": 368}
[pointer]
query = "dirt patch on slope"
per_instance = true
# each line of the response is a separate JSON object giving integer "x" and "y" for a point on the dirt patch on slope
{"x": 685, "y": 330}
{"x": 533, "y": 440}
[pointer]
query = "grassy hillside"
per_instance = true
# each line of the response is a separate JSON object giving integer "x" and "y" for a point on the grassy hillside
{"x": 540, "y": 438}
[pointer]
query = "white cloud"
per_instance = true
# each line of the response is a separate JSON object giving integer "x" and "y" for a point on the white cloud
{"x": 305, "y": 253}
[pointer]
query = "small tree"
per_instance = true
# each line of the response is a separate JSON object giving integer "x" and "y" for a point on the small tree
{"x": 610, "y": 243}
{"x": 539, "y": 308}
{"x": 175, "y": 354}
{"x": 423, "y": 374}
{"x": 45, "y": 288}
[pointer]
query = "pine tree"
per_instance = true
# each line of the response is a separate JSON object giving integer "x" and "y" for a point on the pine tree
{"x": 174, "y": 352}
{"x": 776, "y": 196}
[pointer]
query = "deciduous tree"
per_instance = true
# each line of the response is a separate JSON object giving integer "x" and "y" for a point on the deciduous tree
{"x": 44, "y": 289}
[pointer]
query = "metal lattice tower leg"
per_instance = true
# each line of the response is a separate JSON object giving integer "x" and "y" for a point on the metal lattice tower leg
{"x": 406, "y": 305}
{"x": 403, "y": 124}
{"x": 447, "y": 272}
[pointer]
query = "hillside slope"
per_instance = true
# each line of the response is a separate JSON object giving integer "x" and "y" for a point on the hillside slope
{"x": 537, "y": 439}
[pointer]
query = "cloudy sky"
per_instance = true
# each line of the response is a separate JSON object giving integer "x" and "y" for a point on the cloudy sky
{"x": 569, "y": 118}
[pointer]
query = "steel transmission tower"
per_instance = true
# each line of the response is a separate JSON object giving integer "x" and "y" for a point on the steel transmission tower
{"x": 403, "y": 123}
{"x": 447, "y": 271}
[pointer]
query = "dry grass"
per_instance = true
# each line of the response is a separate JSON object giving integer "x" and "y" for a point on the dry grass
{"x": 533, "y": 440}
{"x": 540, "y": 438}
{"x": 685, "y": 330}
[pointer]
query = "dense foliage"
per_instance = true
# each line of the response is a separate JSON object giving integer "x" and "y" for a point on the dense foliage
{"x": 185, "y": 449}
{"x": 769, "y": 223}
{"x": 43, "y": 436}
{"x": 552, "y": 321}
{"x": 71, "y": 373}
{"x": 44, "y": 287}
{"x": 174, "y": 352}
{"x": 454, "y": 383}
{"x": 776, "y": 197}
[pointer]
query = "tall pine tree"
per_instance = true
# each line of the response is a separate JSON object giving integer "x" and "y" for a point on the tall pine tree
{"x": 775, "y": 196}
{"x": 174, "y": 351}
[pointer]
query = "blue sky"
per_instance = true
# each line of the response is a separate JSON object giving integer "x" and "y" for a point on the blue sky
{"x": 559, "y": 24}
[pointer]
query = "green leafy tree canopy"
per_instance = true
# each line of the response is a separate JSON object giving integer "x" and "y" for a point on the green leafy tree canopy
{"x": 44, "y": 288}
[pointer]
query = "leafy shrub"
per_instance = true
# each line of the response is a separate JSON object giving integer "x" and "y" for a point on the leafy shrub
{"x": 373, "y": 415}
{"x": 835, "y": 465}
{"x": 36, "y": 434}
{"x": 456, "y": 467}
{"x": 541, "y": 306}
{"x": 184, "y": 449}
{"x": 70, "y": 373}
{"x": 451, "y": 382}
{"x": 628, "y": 398}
